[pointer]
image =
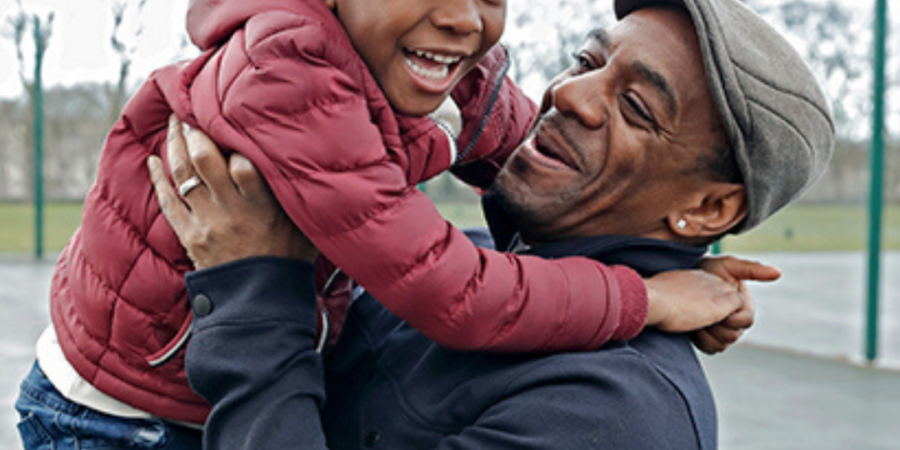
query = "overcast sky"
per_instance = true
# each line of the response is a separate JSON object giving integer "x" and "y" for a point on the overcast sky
{"x": 79, "y": 49}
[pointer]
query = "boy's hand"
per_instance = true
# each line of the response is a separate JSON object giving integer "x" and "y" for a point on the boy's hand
{"x": 735, "y": 270}
{"x": 713, "y": 300}
{"x": 687, "y": 300}
{"x": 719, "y": 336}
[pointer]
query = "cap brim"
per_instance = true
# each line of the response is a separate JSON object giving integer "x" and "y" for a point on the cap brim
{"x": 625, "y": 7}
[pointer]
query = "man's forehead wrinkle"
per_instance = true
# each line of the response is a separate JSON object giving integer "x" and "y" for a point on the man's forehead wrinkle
{"x": 660, "y": 83}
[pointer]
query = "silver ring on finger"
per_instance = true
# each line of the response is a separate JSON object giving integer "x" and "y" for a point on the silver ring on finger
{"x": 189, "y": 185}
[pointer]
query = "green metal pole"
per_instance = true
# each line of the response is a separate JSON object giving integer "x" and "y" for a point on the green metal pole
{"x": 38, "y": 142}
{"x": 876, "y": 195}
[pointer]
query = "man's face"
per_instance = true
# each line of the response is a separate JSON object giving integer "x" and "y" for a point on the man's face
{"x": 620, "y": 137}
{"x": 419, "y": 49}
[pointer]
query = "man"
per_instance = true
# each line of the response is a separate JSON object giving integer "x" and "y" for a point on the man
{"x": 654, "y": 144}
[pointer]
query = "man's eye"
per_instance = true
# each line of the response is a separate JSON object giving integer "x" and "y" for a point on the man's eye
{"x": 639, "y": 109}
{"x": 582, "y": 61}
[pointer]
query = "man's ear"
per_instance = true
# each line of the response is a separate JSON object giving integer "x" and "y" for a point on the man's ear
{"x": 711, "y": 212}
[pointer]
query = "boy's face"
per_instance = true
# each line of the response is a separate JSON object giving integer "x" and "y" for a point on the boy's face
{"x": 419, "y": 49}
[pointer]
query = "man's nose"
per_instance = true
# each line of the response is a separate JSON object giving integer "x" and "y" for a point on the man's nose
{"x": 458, "y": 16}
{"x": 581, "y": 98}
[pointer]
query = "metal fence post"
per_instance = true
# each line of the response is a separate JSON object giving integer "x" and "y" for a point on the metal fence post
{"x": 876, "y": 194}
{"x": 38, "y": 141}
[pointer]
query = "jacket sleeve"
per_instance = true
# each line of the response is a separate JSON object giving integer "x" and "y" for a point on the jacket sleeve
{"x": 304, "y": 120}
{"x": 252, "y": 355}
{"x": 497, "y": 117}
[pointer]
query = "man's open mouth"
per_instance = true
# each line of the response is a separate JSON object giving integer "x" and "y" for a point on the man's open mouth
{"x": 549, "y": 145}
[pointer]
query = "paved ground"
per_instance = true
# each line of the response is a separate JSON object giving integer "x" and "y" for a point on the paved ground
{"x": 768, "y": 399}
{"x": 774, "y": 400}
{"x": 23, "y": 296}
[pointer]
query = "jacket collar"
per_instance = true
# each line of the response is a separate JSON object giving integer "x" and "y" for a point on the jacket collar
{"x": 647, "y": 256}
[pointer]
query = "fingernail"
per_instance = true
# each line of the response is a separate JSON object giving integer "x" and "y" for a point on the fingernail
{"x": 186, "y": 129}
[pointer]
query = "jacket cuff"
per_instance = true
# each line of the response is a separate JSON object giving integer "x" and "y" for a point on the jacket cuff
{"x": 633, "y": 293}
{"x": 253, "y": 290}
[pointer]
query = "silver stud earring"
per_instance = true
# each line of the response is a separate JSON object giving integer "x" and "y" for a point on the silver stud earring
{"x": 682, "y": 224}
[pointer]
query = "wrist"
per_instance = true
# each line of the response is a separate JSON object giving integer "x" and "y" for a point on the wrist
{"x": 634, "y": 303}
{"x": 254, "y": 289}
{"x": 655, "y": 305}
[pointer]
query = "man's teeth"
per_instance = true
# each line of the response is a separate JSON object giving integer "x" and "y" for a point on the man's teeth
{"x": 437, "y": 58}
{"x": 438, "y": 73}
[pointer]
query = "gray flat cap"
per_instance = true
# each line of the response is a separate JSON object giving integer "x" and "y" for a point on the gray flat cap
{"x": 776, "y": 116}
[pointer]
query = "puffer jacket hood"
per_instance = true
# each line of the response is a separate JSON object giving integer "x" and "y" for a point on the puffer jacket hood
{"x": 211, "y": 22}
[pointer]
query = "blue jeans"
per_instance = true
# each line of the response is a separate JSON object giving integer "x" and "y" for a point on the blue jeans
{"x": 49, "y": 421}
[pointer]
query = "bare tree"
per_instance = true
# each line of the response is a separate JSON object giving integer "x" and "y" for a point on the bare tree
{"x": 127, "y": 29}
{"x": 550, "y": 33}
{"x": 30, "y": 27}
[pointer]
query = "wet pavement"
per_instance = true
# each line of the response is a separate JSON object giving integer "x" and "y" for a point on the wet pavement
{"x": 775, "y": 400}
{"x": 795, "y": 382}
{"x": 23, "y": 299}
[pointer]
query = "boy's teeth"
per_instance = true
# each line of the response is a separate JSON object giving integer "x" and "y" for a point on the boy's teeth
{"x": 437, "y": 58}
{"x": 438, "y": 73}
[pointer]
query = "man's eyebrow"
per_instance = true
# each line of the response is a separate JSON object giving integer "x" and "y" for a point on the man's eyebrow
{"x": 660, "y": 83}
{"x": 601, "y": 36}
{"x": 654, "y": 78}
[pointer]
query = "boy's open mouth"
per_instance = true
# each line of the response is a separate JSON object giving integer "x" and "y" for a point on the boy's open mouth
{"x": 431, "y": 66}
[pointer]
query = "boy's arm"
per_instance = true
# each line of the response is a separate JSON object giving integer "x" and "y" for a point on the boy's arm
{"x": 308, "y": 127}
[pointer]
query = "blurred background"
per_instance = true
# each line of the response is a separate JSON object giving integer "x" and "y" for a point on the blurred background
{"x": 820, "y": 364}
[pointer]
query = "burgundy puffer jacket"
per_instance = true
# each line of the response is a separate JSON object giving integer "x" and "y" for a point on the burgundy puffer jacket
{"x": 281, "y": 83}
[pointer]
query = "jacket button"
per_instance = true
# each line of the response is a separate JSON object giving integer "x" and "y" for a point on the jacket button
{"x": 372, "y": 438}
{"x": 202, "y": 305}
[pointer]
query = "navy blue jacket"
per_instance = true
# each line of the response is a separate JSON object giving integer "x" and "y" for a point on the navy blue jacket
{"x": 253, "y": 357}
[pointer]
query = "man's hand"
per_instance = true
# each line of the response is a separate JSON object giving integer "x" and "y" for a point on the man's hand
{"x": 713, "y": 302}
{"x": 232, "y": 214}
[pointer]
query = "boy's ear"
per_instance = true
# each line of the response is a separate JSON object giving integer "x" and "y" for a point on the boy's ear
{"x": 331, "y": 4}
{"x": 712, "y": 212}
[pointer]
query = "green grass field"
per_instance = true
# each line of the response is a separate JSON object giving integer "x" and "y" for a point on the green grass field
{"x": 17, "y": 226}
{"x": 799, "y": 228}
{"x": 818, "y": 228}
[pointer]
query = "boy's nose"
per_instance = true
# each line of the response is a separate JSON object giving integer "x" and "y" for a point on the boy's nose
{"x": 578, "y": 97}
{"x": 458, "y": 16}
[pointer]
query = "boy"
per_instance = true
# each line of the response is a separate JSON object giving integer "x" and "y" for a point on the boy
{"x": 327, "y": 99}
